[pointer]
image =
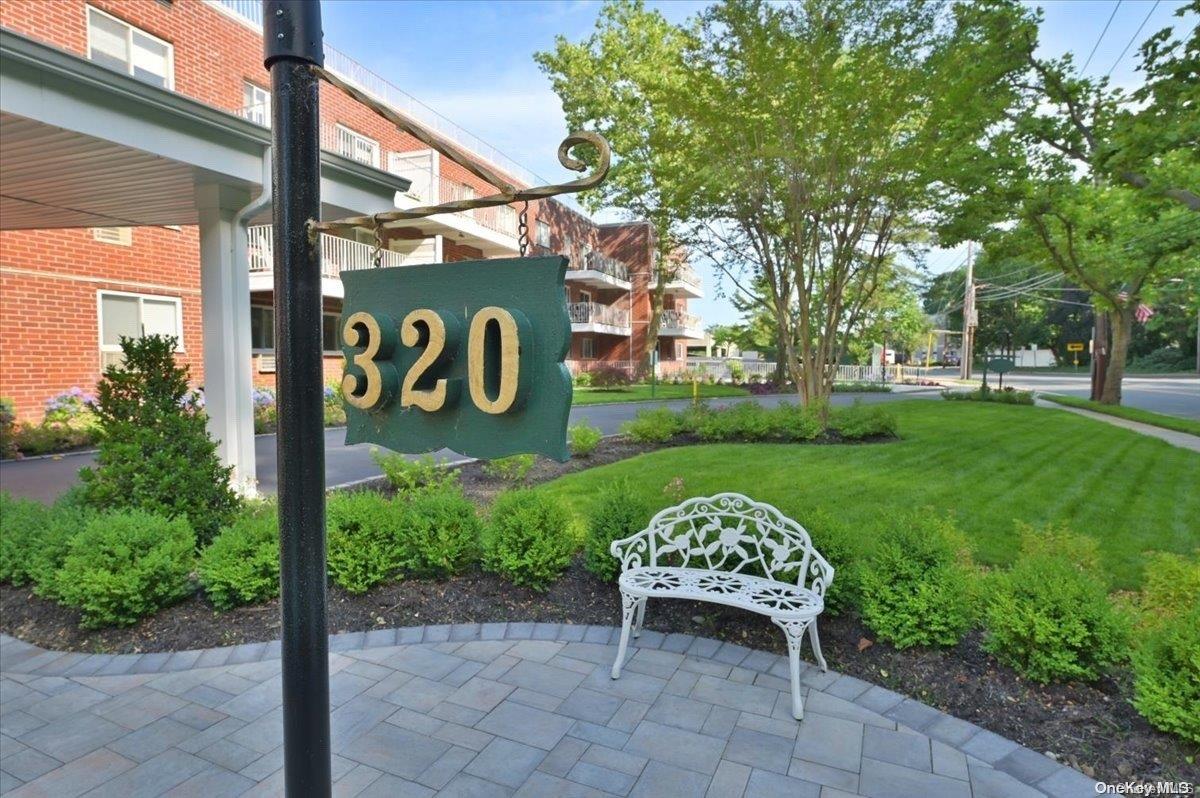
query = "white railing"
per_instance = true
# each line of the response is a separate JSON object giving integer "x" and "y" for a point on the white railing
{"x": 877, "y": 373}
{"x": 722, "y": 368}
{"x": 259, "y": 113}
{"x": 679, "y": 320}
{"x": 337, "y": 254}
{"x": 602, "y": 263}
{"x": 686, "y": 274}
{"x": 595, "y": 313}
{"x": 250, "y": 11}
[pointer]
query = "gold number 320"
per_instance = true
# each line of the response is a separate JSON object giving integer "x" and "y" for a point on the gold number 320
{"x": 494, "y": 346}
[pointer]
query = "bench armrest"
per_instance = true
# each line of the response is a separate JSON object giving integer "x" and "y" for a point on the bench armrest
{"x": 633, "y": 551}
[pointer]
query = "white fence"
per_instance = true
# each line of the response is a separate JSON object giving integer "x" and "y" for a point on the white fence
{"x": 337, "y": 254}
{"x": 595, "y": 313}
{"x": 720, "y": 369}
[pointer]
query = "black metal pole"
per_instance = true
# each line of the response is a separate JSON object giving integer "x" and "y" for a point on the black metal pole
{"x": 291, "y": 45}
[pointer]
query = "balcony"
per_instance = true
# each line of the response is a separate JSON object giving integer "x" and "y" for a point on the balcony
{"x": 337, "y": 255}
{"x": 592, "y": 317}
{"x": 600, "y": 271}
{"x": 685, "y": 282}
{"x": 679, "y": 324}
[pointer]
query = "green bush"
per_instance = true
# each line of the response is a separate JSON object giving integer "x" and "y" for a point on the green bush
{"x": 859, "y": 421}
{"x": 616, "y": 514}
{"x": 1057, "y": 540}
{"x": 1051, "y": 620}
{"x": 583, "y": 380}
{"x": 916, "y": 583}
{"x": 583, "y": 439}
{"x": 8, "y": 429}
{"x": 241, "y": 565}
{"x": 1171, "y": 586}
{"x": 442, "y": 534}
{"x": 839, "y": 545}
{"x": 796, "y": 423}
{"x": 411, "y": 477}
{"x": 34, "y": 541}
{"x": 155, "y": 453}
{"x": 743, "y": 421}
{"x": 513, "y": 469}
{"x": 1007, "y": 396}
{"x": 1166, "y": 668}
{"x": 366, "y": 534}
{"x": 125, "y": 565}
{"x": 528, "y": 538}
{"x": 653, "y": 426}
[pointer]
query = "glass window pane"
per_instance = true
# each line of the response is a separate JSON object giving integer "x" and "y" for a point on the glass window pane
{"x": 149, "y": 60}
{"x": 262, "y": 328}
{"x": 329, "y": 336}
{"x": 159, "y": 318}
{"x": 118, "y": 317}
{"x": 108, "y": 41}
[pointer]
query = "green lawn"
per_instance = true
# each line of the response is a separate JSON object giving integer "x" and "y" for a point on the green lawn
{"x": 641, "y": 393}
{"x": 991, "y": 465}
{"x": 1129, "y": 413}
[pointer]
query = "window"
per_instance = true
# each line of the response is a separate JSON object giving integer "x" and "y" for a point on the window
{"x": 122, "y": 236}
{"x": 585, "y": 296}
{"x": 135, "y": 315}
{"x": 543, "y": 234}
{"x": 587, "y": 348}
{"x": 357, "y": 146}
{"x": 120, "y": 46}
{"x": 262, "y": 330}
{"x": 256, "y": 104}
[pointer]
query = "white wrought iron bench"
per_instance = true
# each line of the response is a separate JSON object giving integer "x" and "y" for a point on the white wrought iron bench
{"x": 727, "y": 549}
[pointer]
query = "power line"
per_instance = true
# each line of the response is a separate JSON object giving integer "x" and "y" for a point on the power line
{"x": 1097, "y": 44}
{"x": 1132, "y": 38}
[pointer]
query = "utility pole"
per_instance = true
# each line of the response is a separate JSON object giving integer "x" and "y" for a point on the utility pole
{"x": 969, "y": 318}
{"x": 292, "y": 46}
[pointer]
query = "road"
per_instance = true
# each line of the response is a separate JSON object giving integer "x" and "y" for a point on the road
{"x": 1174, "y": 396}
{"x": 45, "y": 479}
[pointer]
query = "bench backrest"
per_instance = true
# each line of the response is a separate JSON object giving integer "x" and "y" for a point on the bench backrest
{"x": 728, "y": 532}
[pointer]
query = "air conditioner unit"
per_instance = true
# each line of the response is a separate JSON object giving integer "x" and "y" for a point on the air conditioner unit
{"x": 266, "y": 364}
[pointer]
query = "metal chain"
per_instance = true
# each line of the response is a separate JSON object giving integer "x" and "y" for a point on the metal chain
{"x": 377, "y": 254}
{"x": 523, "y": 229}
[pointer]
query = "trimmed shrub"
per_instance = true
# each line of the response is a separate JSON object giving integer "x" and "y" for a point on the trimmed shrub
{"x": 796, "y": 423}
{"x": 744, "y": 421}
{"x": 125, "y": 565}
{"x": 1166, "y": 668}
{"x": 528, "y": 538}
{"x": 442, "y": 534}
{"x": 838, "y": 544}
{"x": 1007, "y": 396}
{"x": 583, "y": 439}
{"x": 155, "y": 452}
{"x": 1051, "y": 620}
{"x": 653, "y": 426}
{"x": 1057, "y": 540}
{"x": 610, "y": 377}
{"x": 8, "y": 430}
{"x": 916, "y": 583}
{"x": 412, "y": 477}
{"x": 859, "y": 421}
{"x": 1171, "y": 586}
{"x": 583, "y": 380}
{"x": 34, "y": 541}
{"x": 616, "y": 514}
{"x": 365, "y": 533}
{"x": 512, "y": 469}
{"x": 241, "y": 565}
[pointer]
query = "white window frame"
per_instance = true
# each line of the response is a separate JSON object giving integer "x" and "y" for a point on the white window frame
{"x": 585, "y": 296}
{"x": 376, "y": 150}
{"x": 543, "y": 225}
{"x": 587, "y": 348}
{"x": 129, "y": 29}
{"x": 176, "y": 301}
{"x": 262, "y": 114}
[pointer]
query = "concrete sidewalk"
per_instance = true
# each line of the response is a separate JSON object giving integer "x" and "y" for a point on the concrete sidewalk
{"x": 1181, "y": 439}
{"x": 495, "y": 710}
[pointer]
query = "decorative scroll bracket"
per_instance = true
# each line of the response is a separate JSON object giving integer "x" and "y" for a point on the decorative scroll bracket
{"x": 508, "y": 193}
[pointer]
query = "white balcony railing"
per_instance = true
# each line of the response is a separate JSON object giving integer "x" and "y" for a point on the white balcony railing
{"x": 595, "y": 313}
{"x": 606, "y": 265}
{"x": 337, "y": 254}
{"x": 679, "y": 320}
{"x": 686, "y": 274}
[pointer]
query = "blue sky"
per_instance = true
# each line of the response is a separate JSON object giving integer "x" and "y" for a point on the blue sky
{"x": 472, "y": 62}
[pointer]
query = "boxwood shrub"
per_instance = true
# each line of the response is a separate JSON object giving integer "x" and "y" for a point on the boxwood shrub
{"x": 617, "y": 513}
{"x": 916, "y": 584}
{"x": 241, "y": 566}
{"x": 441, "y": 535}
{"x": 658, "y": 425}
{"x": 528, "y": 538}
{"x": 34, "y": 541}
{"x": 125, "y": 565}
{"x": 365, "y": 533}
{"x": 860, "y": 421}
{"x": 1166, "y": 667}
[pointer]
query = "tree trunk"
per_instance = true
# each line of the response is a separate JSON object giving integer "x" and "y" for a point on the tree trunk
{"x": 780, "y": 356}
{"x": 1099, "y": 353}
{"x": 656, "y": 308}
{"x": 1122, "y": 332}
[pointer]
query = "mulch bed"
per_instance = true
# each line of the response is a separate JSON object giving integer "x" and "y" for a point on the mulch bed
{"x": 1091, "y": 727}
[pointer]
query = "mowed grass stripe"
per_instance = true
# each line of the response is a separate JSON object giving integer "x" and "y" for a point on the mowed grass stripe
{"x": 990, "y": 465}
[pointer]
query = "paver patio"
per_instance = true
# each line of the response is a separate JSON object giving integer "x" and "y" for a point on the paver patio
{"x": 494, "y": 710}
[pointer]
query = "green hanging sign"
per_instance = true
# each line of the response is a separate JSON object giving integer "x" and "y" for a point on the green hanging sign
{"x": 464, "y": 355}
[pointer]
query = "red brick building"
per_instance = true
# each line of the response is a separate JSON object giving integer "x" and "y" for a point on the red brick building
{"x": 69, "y": 291}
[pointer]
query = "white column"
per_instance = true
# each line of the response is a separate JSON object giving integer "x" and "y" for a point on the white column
{"x": 225, "y": 298}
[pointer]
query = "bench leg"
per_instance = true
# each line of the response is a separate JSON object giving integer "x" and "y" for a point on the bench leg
{"x": 641, "y": 616}
{"x": 794, "y": 632}
{"x": 630, "y": 605}
{"x": 816, "y": 645}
